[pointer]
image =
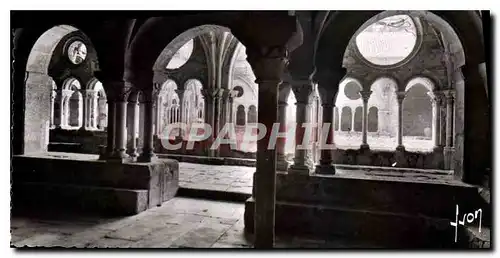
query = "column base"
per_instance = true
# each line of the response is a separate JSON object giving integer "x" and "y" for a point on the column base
{"x": 147, "y": 157}
{"x": 448, "y": 157}
{"x": 364, "y": 146}
{"x": 400, "y": 148}
{"x": 325, "y": 169}
{"x": 438, "y": 149}
{"x": 282, "y": 165}
{"x": 299, "y": 169}
{"x": 118, "y": 156}
{"x": 104, "y": 154}
{"x": 132, "y": 157}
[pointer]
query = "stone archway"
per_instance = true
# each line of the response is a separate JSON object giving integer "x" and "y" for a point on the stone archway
{"x": 37, "y": 89}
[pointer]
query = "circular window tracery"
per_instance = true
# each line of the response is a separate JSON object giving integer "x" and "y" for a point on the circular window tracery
{"x": 239, "y": 91}
{"x": 388, "y": 41}
{"x": 77, "y": 52}
{"x": 351, "y": 91}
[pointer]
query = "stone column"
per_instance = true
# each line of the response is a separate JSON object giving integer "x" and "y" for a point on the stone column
{"x": 150, "y": 94}
{"x": 85, "y": 112}
{"x": 301, "y": 163}
{"x": 158, "y": 113}
{"x": 448, "y": 149}
{"x": 182, "y": 114}
{"x": 365, "y": 95}
{"x": 327, "y": 94}
{"x": 122, "y": 92}
{"x": 52, "y": 101}
{"x": 231, "y": 104}
{"x": 110, "y": 140}
{"x": 325, "y": 165}
{"x": 95, "y": 110}
{"x": 268, "y": 67}
{"x": 284, "y": 92}
{"x": 224, "y": 99}
{"x": 65, "y": 97}
{"x": 436, "y": 117}
{"x": 209, "y": 95}
{"x": 400, "y": 96}
{"x": 132, "y": 125}
{"x": 442, "y": 121}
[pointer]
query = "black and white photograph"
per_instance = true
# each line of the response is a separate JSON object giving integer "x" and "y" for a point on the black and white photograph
{"x": 251, "y": 129}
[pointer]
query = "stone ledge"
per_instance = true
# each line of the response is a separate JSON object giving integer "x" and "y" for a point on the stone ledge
{"x": 429, "y": 199}
{"x": 391, "y": 230}
{"x": 104, "y": 200}
{"x": 209, "y": 160}
{"x": 213, "y": 194}
{"x": 159, "y": 179}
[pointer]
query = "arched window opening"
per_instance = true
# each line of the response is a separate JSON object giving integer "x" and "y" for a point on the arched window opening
{"x": 252, "y": 114}
{"x": 240, "y": 115}
{"x": 372, "y": 120}
{"x": 75, "y": 109}
{"x": 417, "y": 117}
{"x": 358, "y": 119}
{"x": 346, "y": 119}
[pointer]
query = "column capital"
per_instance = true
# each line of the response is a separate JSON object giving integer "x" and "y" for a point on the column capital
{"x": 327, "y": 96}
{"x": 268, "y": 63}
{"x": 117, "y": 90}
{"x": 150, "y": 94}
{"x": 90, "y": 93}
{"x": 449, "y": 95}
{"x": 302, "y": 90}
{"x": 365, "y": 95}
{"x": 210, "y": 93}
{"x": 401, "y": 96}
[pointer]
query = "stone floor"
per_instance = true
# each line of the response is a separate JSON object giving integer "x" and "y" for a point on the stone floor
{"x": 178, "y": 223}
{"x": 239, "y": 179}
{"x": 213, "y": 177}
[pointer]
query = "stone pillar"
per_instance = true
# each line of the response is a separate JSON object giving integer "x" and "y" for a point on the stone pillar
{"x": 302, "y": 90}
{"x": 268, "y": 67}
{"x": 284, "y": 92}
{"x": 365, "y": 95}
{"x": 150, "y": 94}
{"x": 158, "y": 114}
{"x": 327, "y": 95}
{"x": 65, "y": 96}
{"x": 52, "y": 101}
{"x": 132, "y": 125}
{"x": 95, "y": 110}
{"x": 436, "y": 119}
{"x": 182, "y": 114}
{"x": 224, "y": 98}
{"x": 209, "y": 95}
{"x": 442, "y": 121}
{"x": 448, "y": 149}
{"x": 400, "y": 96}
{"x": 122, "y": 92}
{"x": 85, "y": 112}
{"x": 325, "y": 165}
{"x": 110, "y": 140}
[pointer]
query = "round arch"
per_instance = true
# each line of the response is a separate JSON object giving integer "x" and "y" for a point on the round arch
{"x": 159, "y": 38}
{"x": 424, "y": 81}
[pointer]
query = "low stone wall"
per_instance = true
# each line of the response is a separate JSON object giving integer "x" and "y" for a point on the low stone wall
{"x": 406, "y": 159}
{"x": 88, "y": 184}
{"x": 78, "y": 141}
{"x": 397, "y": 214}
